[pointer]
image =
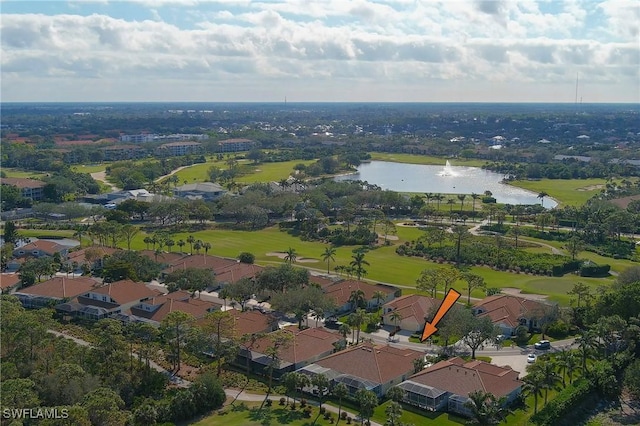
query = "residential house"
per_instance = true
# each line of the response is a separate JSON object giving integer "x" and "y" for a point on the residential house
{"x": 41, "y": 248}
{"x": 156, "y": 309}
{"x": 29, "y": 188}
{"x": 91, "y": 258}
{"x": 108, "y": 300}
{"x": 199, "y": 261}
{"x": 366, "y": 366}
{"x": 8, "y": 282}
{"x": 235, "y": 145}
{"x": 207, "y": 191}
{"x": 233, "y": 273}
{"x": 446, "y": 385}
{"x": 413, "y": 311}
{"x": 123, "y": 152}
{"x": 306, "y": 346}
{"x": 341, "y": 292}
{"x": 252, "y": 323}
{"x": 508, "y": 312}
{"x": 55, "y": 290}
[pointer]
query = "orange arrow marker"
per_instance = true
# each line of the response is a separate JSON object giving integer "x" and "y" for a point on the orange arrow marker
{"x": 430, "y": 327}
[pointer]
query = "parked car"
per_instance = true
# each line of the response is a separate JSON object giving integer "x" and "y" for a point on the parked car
{"x": 531, "y": 358}
{"x": 542, "y": 345}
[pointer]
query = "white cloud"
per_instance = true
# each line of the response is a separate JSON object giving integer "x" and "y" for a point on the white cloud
{"x": 394, "y": 44}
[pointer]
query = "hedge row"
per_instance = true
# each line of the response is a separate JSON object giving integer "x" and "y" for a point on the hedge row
{"x": 558, "y": 409}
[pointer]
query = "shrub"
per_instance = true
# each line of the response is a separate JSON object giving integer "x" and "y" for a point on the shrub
{"x": 293, "y": 406}
{"x": 268, "y": 403}
{"x": 343, "y": 415}
{"x": 349, "y": 419}
{"x": 557, "y": 410}
{"x": 558, "y": 329}
{"x": 327, "y": 415}
{"x": 307, "y": 412}
{"x": 303, "y": 403}
{"x": 322, "y": 410}
{"x": 282, "y": 401}
{"x": 246, "y": 257}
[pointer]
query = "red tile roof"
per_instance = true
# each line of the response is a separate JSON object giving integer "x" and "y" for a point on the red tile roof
{"x": 200, "y": 261}
{"x": 457, "y": 376}
{"x": 126, "y": 291}
{"x": 378, "y": 364}
{"x": 252, "y": 322}
{"x": 414, "y": 305}
{"x": 305, "y": 344}
{"x": 235, "y": 272}
{"x": 46, "y": 246}
{"x": 22, "y": 182}
{"x": 173, "y": 302}
{"x": 62, "y": 287}
{"x": 341, "y": 291}
{"x": 80, "y": 255}
{"x": 8, "y": 280}
{"x": 508, "y": 309}
{"x": 323, "y": 282}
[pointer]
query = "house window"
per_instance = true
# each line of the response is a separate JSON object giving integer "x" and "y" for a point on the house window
{"x": 104, "y": 298}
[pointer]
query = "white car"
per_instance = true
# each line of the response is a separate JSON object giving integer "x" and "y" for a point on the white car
{"x": 531, "y": 358}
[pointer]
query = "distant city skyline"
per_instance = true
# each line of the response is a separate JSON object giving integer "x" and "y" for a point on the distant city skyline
{"x": 320, "y": 51}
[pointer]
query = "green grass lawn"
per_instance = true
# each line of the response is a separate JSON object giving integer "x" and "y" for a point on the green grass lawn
{"x": 571, "y": 192}
{"x": 90, "y": 168}
{"x": 17, "y": 173}
{"x": 263, "y": 172}
{"x": 385, "y": 264}
{"x": 424, "y": 159}
{"x": 276, "y": 415}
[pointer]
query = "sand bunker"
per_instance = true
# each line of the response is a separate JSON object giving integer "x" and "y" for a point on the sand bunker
{"x": 518, "y": 292}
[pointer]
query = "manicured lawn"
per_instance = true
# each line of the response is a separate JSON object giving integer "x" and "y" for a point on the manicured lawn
{"x": 571, "y": 192}
{"x": 17, "y": 173}
{"x": 268, "y": 172}
{"x": 263, "y": 172}
{"x": 424, "y": 159}
{"x": 91, "y": 168}
{"x": 277, "y": 415}
{"x": 385, "y": 264}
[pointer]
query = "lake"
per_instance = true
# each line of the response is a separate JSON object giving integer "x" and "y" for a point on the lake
{"x": 445, "y": 179}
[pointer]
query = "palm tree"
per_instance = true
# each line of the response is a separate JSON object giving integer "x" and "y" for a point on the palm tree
{"x": 541, "y": 195}
{"x": 197, "y": 245}
{"x": 356, "y": 319}
{"x": 587, "y": 343}
{"x": 147, "y": 241}
{"x": 191, "y": 239}
{"x": 329, "y": 256}
{"x": 170, "y": 243}
{"x": 291, "y": 255}
{"x": 290, "y": 382}
{"x": 562, "y": 359}
{"x": 474, "y": 196}
{"x": 393, "y": 412}
{"x": 451, "y": 202}
{"x": 534, "y": 383}
{"x": 547, "y": 369}
{"x": 396, "y": 317}
{"x": 344, "y": 330}
{"x": 357, "y": 262}
{"x": 356, "y": 299}
{"x": 571, "y": 364}
{"x": 429, "y": 196}
{"x": 318, "y": 314}
{"x": 485, "y": 408}
{"x": 378, "y": 295}
{"x": 181, "y": 244}
{"x": 438, "y": 198}
{"x": 206, "y": 246}
{"x": 340, "y": 391}
{"x": 461, "y": 197}
{"x": 321, "y": 382}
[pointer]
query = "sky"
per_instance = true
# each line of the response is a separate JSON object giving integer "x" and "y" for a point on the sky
{"x": 320, "y": 51}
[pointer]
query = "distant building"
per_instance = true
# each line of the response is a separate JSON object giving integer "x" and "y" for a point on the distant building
{"x": 123, "y": 152}
{"x": 412, "y": 309}
{"x": 29, "y": 188}
{"x": 143, "y": 137}
{"x": 174, "y": 149}
{"x": 235, "y": 145}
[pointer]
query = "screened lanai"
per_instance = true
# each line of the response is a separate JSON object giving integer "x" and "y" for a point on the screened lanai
{"x": 423, "y": 396}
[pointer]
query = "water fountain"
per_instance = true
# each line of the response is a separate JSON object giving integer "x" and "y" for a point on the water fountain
{"x": 448, "y": 170}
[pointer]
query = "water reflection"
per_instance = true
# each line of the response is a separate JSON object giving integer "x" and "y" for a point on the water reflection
{"x": 446, "y": 179}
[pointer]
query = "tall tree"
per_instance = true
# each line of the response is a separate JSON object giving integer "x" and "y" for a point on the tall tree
{"x": 10, "y": 232}
{"x": 473, "y": 282}
{"x": 428, "y": 282}
{"x": 290, "y": 255}
{"x": 329, "y": 256}
{"x": 280, "y": 340}
{"x": 219, "y": 325}
{"x": 321, "y": 382}
{"x": 534, "y": 383}
{"x": 367, "y": 401}
{"x": 174, "y": 327}
{"x": 358, "y": 263}
{"x": 340, "y": 391}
